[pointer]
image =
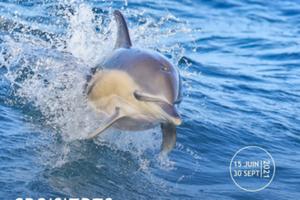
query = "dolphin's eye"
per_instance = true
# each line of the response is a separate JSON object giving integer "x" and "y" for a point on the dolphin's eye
{"x": 165, "y": 68}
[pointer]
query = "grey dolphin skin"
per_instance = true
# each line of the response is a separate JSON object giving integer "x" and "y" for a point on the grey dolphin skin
{"x": 136, "y": 89}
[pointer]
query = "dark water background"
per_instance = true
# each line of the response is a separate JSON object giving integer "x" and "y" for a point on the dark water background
{"x": 240, "y": 63}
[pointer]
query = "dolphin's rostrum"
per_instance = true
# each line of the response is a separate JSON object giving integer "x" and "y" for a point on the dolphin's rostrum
{"x": 136, "y": 89}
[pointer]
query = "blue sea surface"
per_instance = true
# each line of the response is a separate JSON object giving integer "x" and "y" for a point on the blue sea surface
{"x": 240, "y": 65}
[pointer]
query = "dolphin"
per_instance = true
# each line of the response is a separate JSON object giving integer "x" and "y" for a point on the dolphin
{"x": 136, "y": 89}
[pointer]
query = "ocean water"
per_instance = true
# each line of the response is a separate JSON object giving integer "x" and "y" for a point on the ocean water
{"x": 240, "y": 66}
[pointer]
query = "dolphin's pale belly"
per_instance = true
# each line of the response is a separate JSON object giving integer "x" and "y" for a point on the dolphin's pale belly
{"x": 115, "y": 88}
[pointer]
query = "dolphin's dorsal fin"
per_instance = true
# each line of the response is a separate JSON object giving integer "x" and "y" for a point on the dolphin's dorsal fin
{"x": 123, "y": 38}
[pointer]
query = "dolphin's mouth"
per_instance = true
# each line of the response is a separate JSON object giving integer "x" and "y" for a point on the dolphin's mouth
{"x": 169, "y": 111}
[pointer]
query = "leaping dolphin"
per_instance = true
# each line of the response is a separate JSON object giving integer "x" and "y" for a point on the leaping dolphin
{"x": 136, "y": 89}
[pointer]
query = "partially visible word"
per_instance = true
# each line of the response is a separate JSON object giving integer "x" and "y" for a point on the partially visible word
{"x": 58, "y": 198}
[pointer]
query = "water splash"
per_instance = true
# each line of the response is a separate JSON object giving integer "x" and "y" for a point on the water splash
{"x": 84, "y": 42}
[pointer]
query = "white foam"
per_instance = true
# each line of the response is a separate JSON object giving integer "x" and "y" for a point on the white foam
{"x": 84, "y": 42}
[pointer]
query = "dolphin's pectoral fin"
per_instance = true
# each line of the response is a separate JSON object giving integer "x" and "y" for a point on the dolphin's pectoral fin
{"x": 145, "y": 97}
{"x": 123, "y": 38}
{"x": 107, "y": 123}
{"x": 169, "y": 137}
